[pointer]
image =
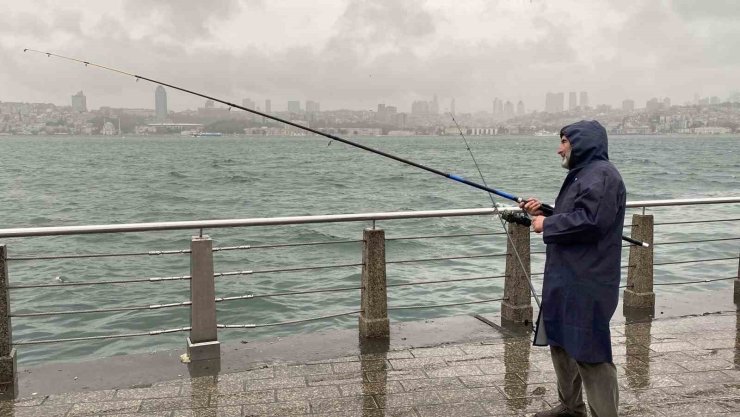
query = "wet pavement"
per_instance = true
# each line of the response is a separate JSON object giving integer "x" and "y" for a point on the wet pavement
{"x": 684, "y": 366}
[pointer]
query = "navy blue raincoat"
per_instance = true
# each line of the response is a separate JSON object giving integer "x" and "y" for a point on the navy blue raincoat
{"x": 584, "y": 241}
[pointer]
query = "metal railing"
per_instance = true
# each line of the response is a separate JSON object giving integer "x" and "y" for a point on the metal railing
{"x": 373, "y": 312}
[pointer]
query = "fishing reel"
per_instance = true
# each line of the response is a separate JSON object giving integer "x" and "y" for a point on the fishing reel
{"x": 520, "y": 218}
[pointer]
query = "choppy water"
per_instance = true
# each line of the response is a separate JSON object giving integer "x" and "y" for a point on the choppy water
{"x": 52, "y": 181}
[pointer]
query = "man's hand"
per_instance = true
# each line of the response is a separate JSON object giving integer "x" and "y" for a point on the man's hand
{"x": 532, "y": 206}
{"x": 538, "y": 223}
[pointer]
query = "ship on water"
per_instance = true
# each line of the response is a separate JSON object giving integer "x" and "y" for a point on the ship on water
{"x": 206, "y": 134}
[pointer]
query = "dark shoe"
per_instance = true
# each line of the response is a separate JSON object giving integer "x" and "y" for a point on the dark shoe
{"x": 559, "y": 411}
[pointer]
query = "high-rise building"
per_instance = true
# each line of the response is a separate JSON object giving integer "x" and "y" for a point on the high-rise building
{"x": 79, "y": 102}
{"x": 584, "y": 100}
{"x": 498, "y": 109}
{"x": 160, "y": 103}
{"x": 434, "y": 105}
{"x": 312, "y": 106}
{"x": 652, "y": 105}
{"x": 268, "y": 106}
{"x": 628, "y": 106}
{"x": 554, "y": 102}
{"x": 452, "y": 106}
{"x": 520, "y": 111}
{"x": 420, "y": 107}
{"x": 572, "y": 103}
{"x": 508, "y": 110}
{"x": 667, "y": 102}
{"x": 294, "y": 106}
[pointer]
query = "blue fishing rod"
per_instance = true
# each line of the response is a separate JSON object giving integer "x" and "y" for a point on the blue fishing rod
{"x": 546, "y": 209}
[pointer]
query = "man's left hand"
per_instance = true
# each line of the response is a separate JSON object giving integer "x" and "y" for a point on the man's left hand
{"x": 538, "y": 222}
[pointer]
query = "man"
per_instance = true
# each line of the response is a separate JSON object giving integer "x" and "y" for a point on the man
{"x": 582, "y": 272}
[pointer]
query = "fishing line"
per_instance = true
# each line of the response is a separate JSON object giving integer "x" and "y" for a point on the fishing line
{"x": 498, "y": 214}
{"x": 545, "y": 208}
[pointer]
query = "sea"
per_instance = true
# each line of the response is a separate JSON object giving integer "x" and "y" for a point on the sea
{"x": 89, "y": 180}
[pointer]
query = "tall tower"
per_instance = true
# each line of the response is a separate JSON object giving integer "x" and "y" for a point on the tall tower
{"x": 160, "y": 103}
{"x": 572, "y": 103}
{"x": 584, "y": 99}
{"x": 79, "y": 102}
{"x": 268, "y": 106}
{"x": 452, "y": 106}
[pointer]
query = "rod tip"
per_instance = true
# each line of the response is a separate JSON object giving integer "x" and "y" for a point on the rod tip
{"x": 645, "y": 245}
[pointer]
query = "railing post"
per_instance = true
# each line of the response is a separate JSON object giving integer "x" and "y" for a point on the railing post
{"x": 203, "y": 341}
{"x": 639, "y": 292}
{"x": 374, "y": 300}
{"x": 8, "y": 363}
{"x": 517, "y": 304}
{"x": 737, "y": 281}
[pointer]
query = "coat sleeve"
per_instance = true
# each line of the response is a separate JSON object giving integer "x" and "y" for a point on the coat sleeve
{"x": 595, "y": 206}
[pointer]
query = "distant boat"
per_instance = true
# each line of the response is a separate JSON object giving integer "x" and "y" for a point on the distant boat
{"x": 544, "y": 133}
{"x": 197, "y": 135}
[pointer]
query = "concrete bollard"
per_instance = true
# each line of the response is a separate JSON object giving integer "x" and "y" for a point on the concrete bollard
{"x": 374, "y": 300}
{"x": 8, "y": 362}
{"x": 639, "y": 292}
{"x": 737, "y": 282}
{"x": 203, "y": 342}
{"x": 517, "y": 306}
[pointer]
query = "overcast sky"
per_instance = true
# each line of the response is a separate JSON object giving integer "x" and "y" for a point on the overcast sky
{"x": 358, "y": 53}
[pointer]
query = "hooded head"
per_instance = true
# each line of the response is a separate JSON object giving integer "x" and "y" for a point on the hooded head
{"x": 587, "y": 141}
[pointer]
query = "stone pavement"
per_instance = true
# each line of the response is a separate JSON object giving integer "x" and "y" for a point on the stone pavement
{"x": 670, "y": 367}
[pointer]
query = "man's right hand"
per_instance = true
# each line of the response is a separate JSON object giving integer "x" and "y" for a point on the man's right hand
{"x": 532, "y": 206}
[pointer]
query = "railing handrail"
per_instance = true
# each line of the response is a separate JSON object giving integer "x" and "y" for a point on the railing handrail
{"x": 332, "y": 218}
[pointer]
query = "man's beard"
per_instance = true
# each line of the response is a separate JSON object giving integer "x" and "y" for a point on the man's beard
{"x": 565, "y": 162}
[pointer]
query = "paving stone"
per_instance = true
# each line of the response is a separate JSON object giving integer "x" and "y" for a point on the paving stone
{"x": 691, "y": 408}
{"x": 407, "y": 399}
{"x": 388, "y": 412}
{"x": 445, "y": 351}
{"x": 487, "y": 380}
{"x": 470, "y": 395}
{"x": 456, "y": 410}
{"x": 302, "y": 370}
{"x": 251, "y": 397}
{"x": 145, "y": 393}
{"x": 452, "y": 371}
{"x": 413, "y": 385}
{"x": 259, "y": 373}
{"x": 516, "y": 406}
{"x": 307, "y": 393}
{"x": 210, "y": 412}
{"x": 418, "y": 363}
{"x": 493, "y": 368}
{"x": 698, "y": 378}
{"x": 366, "y": 365}
{"x": 331, "y": 405}
{"x": 8, "y": 409}
{"x": 80, "y": 397}
{"x": 483, "y": 351}
{"x": 708, "y": 365}
{"x": 394, "y": 375}
{"x": 335, "y": 379}
{"x": 277, "y": 409}
{"x": 176, "y": 403}
{"x": 106, "y": 407}
{"x": 371, "y": 388}
{"x": 274, "y": 383}
{"x": 29, "y": 402}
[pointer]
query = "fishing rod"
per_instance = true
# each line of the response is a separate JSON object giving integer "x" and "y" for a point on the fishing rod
{"x": 545, "y": 208}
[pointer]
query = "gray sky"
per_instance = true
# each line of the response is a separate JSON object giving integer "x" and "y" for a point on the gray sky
{"x": 357, "y": 53}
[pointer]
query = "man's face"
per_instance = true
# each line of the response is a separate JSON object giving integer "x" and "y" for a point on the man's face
{"x": 564, "y": 152}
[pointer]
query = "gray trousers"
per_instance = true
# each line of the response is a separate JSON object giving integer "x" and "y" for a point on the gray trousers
{"x": 598, "y": 379}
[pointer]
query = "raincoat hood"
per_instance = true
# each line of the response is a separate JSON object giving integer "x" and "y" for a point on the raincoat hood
{"x": 588, "y": 143}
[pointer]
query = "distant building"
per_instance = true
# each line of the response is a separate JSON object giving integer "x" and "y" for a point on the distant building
{"x": 268, "y": 106}
{"x": 667, "y": 102}
{"x": 508, "y": 110}
{"x": 160, "y": 104}
{"x": 452, "y": 106}
{"x": 584, "y": 100}
{"x": 653, "y": 104}
{"x": 79, "y": 102}
{"x": 420, "y": 107}
{"x": 713, "y": 100}
{"x": 628, "y": 106}
{"x": 554, "y": 102}
{"x": 498, "y": 109}
{"x": 248, "y": 103}
{"x": 572, "y": 101}
{"x": 520, "y": 111}
{"x": 312, "y": 106}
{"x": 209, "y": 104}
{"x": 434, "y": 105}
{"x": 294, "y": 106}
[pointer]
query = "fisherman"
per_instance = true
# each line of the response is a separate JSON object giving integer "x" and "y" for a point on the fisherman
{"x": 582, "y": 272}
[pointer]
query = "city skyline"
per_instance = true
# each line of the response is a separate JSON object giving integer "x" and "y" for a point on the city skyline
{"x": 356, "y": 54}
